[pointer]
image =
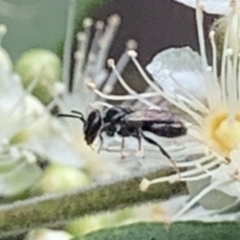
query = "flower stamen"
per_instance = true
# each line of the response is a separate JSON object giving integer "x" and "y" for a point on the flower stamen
{"x": 112, "y": 26}
{"x": 223, "y": 64}
{"x": 192, "y": 101}
{"x": 217, "y": 96}
{"x": 124, "y": 97}
{"x": 231, "y": 84}
{"x": 95, "y": 104}
{"x": 200, "y": 31}
{"x": 126, "y": 86}
{"x": 169, "y": 98}
{"x": 121, "y": 64}
{"x": 191, "y": 174}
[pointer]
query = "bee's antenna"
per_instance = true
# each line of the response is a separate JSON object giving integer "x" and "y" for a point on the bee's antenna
{"x": 72, "y": 116}
{"x": 80, "y": 115}
{"x": 77, "y": 112}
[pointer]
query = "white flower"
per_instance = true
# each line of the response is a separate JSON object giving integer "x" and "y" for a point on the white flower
{"x": 210, "y": 6}
{"x": 215, "y": 119}
{"x": 208, "y": 103}
{"x": 27, "y": 129}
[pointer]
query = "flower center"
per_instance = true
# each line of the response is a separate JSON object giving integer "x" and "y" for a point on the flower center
{"x": 223, "y": 133}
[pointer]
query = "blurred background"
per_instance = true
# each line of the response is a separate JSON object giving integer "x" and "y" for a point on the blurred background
{"x": 155, "y": 26}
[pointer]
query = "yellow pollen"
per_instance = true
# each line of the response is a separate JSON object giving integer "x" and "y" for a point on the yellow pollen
{"x": 223, "y": 134}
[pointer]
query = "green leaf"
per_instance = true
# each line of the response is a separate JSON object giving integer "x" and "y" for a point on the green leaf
{"x": 176, "y": 231}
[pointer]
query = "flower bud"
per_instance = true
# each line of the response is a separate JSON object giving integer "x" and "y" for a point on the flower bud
{"x": 85, "y": 225}
{"x": 47, "y": 234}
{"x": 58, "y": 178}
{"x": 42, "y": 66}
{"x": 20, "y": 137}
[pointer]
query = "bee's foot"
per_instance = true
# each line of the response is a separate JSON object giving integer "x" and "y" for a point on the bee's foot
{"x": 140, "y": 153}
{"x": 124, "y": 155}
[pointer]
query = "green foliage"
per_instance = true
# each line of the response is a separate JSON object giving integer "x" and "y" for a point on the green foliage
{"x": 40, "y": 23}
{"x": 175, "y": 231}
{"x": 87, "y": 7}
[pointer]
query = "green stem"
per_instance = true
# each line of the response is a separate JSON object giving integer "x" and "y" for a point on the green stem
{"x": 51, "y": 210}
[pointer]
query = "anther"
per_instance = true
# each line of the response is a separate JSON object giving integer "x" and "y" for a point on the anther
{"x": 114, "y": 20}
{"x": 99, "y": 25}
{"x": 111, "y": 63}
{"x": 200, "y": 5}
{"x": 91, "y": 85}
{"x": 212, "y": 35}
{"x": 132, "y": 53}
{"x": 144, "y": 185}
{"x": 87, "y": 22}
{"x": 131, "y": 44}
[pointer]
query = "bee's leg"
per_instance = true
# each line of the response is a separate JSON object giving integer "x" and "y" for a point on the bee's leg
{"x": 123, "y": 154}
{"x": 151, "y": 141}
{"x": 101, "y": 142}
{"x": 140, "y": 152}
{"x": 111, "y": 149}
{"x": 103, "y": 129}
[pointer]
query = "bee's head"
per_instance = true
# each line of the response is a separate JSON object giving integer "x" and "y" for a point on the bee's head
{"x": 92, "y": 126}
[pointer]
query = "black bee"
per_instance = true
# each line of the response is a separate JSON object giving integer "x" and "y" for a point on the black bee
{"x": 128, "y": 123}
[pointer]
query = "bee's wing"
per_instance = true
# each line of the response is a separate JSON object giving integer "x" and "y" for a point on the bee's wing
{"x": 151, "y": 115}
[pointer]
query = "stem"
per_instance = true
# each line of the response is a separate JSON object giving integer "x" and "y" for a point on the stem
{"x": 58, "y": 208}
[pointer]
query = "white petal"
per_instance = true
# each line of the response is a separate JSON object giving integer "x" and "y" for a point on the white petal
{"x": 9, "y": 125}
{"x": 33, "y": 106}
{"x": 179, "y": 68}
{"x": 56, "y": 150}
{"x": 209, "y": 200}
{"x": 228, "y": 175}
{"x": 11, "y": 89}
{"x": 210, "y": 6}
